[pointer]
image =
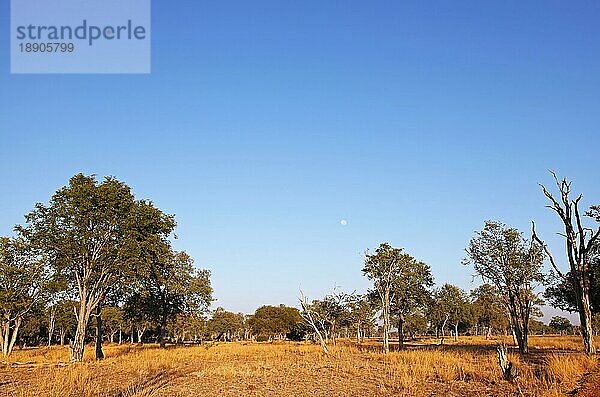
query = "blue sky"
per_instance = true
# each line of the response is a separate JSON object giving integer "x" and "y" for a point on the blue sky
{"x": 263, "y": 124}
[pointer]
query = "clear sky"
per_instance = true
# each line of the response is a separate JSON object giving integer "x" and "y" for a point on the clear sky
{"x": 264, "y": 124}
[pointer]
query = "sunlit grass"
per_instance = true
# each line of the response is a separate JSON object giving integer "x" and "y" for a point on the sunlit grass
{"x": 295, "y": 369}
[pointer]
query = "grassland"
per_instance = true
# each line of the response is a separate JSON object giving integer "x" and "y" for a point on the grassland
{"x": 468, "y": 367}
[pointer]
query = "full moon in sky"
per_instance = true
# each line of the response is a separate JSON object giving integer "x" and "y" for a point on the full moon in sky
{"x": 343, "y": 222}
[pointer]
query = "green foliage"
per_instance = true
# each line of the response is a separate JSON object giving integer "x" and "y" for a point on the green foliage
{"x": 274, "y": 320}
{"x": 397, "y": 279}
{"x": 64, "y": 317}
{"x": 513, "y": 265}
{"x": 452, "y": 303}
{"x": 299, "y": 332}
{"x": 83, "y": 231}
{"x": 361, "y": 313}
{"x": 411, "y": 293}
{"x": 416, "y": 324}
{"x": 487, "y": 308}
{"x": 502, "y": 256}
{"x": 113, "y": 319}
{"x": 560, "y": 324}
{"x": 226, "y": 323}
{"x": 24, "y": 278}
{"x": 536, "y": 327}
{"x": 167, "y": 287}
{"x": 383, "y": 266}
{"x": 560, "y": 292}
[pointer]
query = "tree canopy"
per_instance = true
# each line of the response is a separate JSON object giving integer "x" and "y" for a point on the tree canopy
{"x": 513, "y": 264}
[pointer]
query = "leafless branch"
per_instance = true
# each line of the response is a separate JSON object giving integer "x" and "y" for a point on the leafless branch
{"x": 535, "y": 237}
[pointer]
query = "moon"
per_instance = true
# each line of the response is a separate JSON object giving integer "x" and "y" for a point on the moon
{"x": 343, "y": 222}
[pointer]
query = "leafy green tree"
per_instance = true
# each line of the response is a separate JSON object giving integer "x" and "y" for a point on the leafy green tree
{"x": 416, "y": 324}
{"x": 169, "y": 286}
{"x": 488, "y": 311}
{"x": 138, "y": 316}
{"x": 23, "y": 279}
{"x": 560, "y": 325}
{"x": 299, "y": 332}
{"x": 453, "y": 305}
{"x": 226, "y": 325}
{"x": 65, "y": 321}
{"x": 361, "y": 315}
{"x": 82, "y": 231}
{"x": 411, "y": 290}
{"x": 513, "y": 265}
{"x": 272, "y": 321}
{"x": 146, "y": 244}
{"x": 114, "y": 321}
{"x": 537, "y": 327}
{"x": 383, "y": 268}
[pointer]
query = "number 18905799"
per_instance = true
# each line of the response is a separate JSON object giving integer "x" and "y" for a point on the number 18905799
{"x": 47, "y": 47}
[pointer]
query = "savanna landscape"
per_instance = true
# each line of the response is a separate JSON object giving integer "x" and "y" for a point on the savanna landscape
{"x": 299, "y": 198}
{"x": 96, "y": 302}
{"x": 554, "y": 368}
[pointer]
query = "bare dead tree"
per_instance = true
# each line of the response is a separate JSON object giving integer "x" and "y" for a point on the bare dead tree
{"x": 579, "y": 243}
{"x": 313, "y": 319}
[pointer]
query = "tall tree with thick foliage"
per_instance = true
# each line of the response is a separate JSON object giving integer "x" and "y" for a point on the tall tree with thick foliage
{"x": 391, "y": 270}
{"x": 513, "y": 265}
{"x": 87, "y": 231}
{"x": 23, "y": 279}
{"x": 452, "y": 305}
{"x": 168, "y": 286}
{"x": 273, "y": 321}
{"x": 488, "y": 311}
{"x": 411, "y": 291}
{"x": 361, "y": 315}
{"x": 580, "y": 242}
{"x": 226, "y": 325}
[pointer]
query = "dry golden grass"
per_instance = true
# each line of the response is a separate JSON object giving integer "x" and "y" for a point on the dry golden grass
{"x": 295, "y": 369}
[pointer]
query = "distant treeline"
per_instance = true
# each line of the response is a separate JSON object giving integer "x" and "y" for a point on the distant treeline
{"x": 96, "y": 264}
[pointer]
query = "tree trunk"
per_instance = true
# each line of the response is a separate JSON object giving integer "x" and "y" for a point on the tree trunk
{"x": 442, "y": 329}
{"x": 518, "y": 327}
{"x": 51, "y": 326}
{"x": 78, "y": 345}
{"x": 585, "y": 319}
{"x": 163, "y": 330}
{"x": 62, "y": 337}
{"x": 401, "y": 331}
{"x": 386, "y": 322}
{"x": 99, "y": 352}
{"x": 13, "y": 337}
{"x": 5, "y": 335}
{"x": 455, "y": 332}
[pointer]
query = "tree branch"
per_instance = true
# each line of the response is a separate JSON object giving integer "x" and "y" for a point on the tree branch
{"x": 535, "y": 237}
